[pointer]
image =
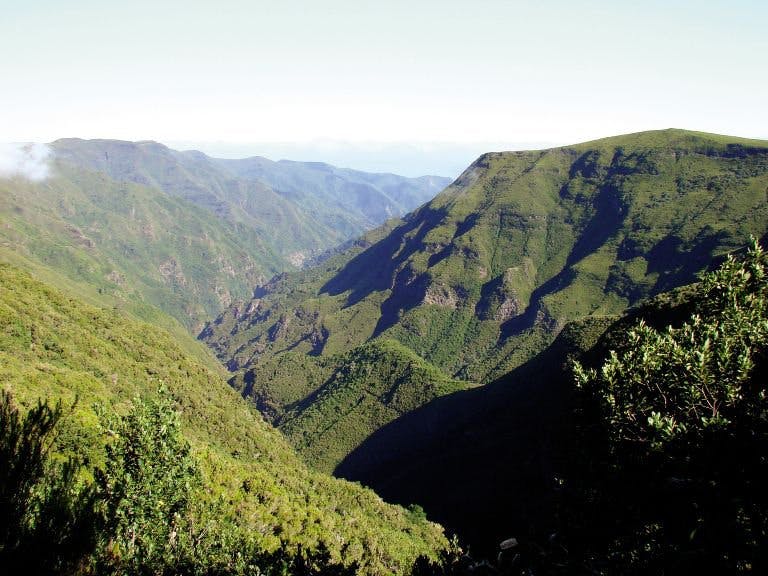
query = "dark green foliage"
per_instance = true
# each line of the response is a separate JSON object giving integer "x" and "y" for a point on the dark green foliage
{"x": 361, "y": 391}
{"x": 47, "y": 521}
{"x": 24, "y": 443}
{"x": 253, "y": 498}
{"x": 680, "y": 417}
{"x": 662, "y": 470}
{"x": 139, "y": 518}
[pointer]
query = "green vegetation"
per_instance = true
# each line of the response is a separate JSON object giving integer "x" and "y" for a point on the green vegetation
{"x": 483, "y": 278}
{"x": 429, "y": 360}
{"x": 296, "y": 209}
{"x": 145, "y": 490}
{"x": 143, "y": 227}
{"x": 48, "y": 522}
{"x": 348, "y": 202}
{"x": 128, "y": 245}
{"x": 251, "y": 485}
{"x": 682, "y": 425}
{"x": 343, "y": 398}
{"x": 655, "y": 463}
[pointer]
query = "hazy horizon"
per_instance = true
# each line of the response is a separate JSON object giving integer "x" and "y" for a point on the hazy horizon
{"x": 382, "y": 79}
{"x": 410, "y": 159}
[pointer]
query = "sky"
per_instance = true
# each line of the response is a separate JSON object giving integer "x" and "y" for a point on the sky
{"x": 421, "y": 85}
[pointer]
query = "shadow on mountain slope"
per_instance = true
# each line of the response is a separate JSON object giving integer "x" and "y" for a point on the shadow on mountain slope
{"x": 487, "y": 463}
{"x": 359, "y": 277}
{"x": 481, "y": 462}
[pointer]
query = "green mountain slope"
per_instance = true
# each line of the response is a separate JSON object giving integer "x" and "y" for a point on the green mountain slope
{"x": 524, "y": 456}
{"x": 348, "y": 201}
{"x": 56, "y": 347}
{"x": 329, "y": 406}
{"x": 296, "y": 209}
{"x": 129, "y": 245}
{"x": 482, "y": 278}
{"x": 250, "y": 207}
{"x": 486, "y": 462}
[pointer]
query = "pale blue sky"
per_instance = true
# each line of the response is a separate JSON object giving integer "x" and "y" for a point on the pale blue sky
{"x": 480, "y": 73}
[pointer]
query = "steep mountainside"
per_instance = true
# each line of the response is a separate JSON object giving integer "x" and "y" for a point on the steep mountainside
{"x": 484, "y": 462}
{"x": 348, "y": 201}
{"x": 524, "y": 456}
{"x": 129, "y": 245}
{"x": 483, "y": 277}
{"x": 139, "y": 226}
{"x": 298, "y": 209}
{"x": 487, "y": 462}
{"x": 329, "y": 405}
{"x": 53, "y": 346}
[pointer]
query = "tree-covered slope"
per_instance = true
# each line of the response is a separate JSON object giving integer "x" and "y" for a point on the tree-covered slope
{"x": 328, "y": 407}
{"x": 53, "y": 346}
{"x": 489, "y": 463}
{"x": 297, "y": 209}
{"x": 650, "y": 459}
{"x": 129, "y": 245}
{"x": 482, "y": 278}
{"x": 348, "y": 201}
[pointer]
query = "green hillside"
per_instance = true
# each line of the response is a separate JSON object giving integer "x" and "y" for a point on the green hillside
{"x": 296, "y": 209}
{"x": 327, "y": 407}
{"x": 129, "y": 245}
{"x": 249, "y": 207}
{"x": 482, "y": 278}
{"x": 652, "y": 456}
{"x": 53, "y": 346}
{"x": 486, "y": 462}
{"x": 348, "y": 201}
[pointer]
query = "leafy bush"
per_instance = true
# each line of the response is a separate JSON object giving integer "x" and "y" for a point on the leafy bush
{"x": 145, "y": 488}
{"x": 682, "y": 423}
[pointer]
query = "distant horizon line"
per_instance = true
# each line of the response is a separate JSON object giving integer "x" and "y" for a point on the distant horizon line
{"x": 409, "y": 158}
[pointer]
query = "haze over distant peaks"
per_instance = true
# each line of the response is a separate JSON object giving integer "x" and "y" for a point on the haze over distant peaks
{"x": 137, "y": 224}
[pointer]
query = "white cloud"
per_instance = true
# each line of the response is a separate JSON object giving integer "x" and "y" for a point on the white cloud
{"x": 28, "y": 160}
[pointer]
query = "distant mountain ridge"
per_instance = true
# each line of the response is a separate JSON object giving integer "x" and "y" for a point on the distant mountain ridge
{"x": 347, "y": 200}
{"x": 482, "y": 278}
{"x": 299, "y": 208}
{"x": 143, "y": 227}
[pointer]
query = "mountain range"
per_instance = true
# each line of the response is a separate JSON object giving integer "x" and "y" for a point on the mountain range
{"x": 429, "y": 358}
{"x": 478, "y": 281}
{"x": 141, "y": 226}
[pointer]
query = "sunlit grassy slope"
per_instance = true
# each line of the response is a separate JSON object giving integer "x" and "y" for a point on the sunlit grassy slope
{"x": 130, "y": 245}
{"x": 54, "y": 346}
